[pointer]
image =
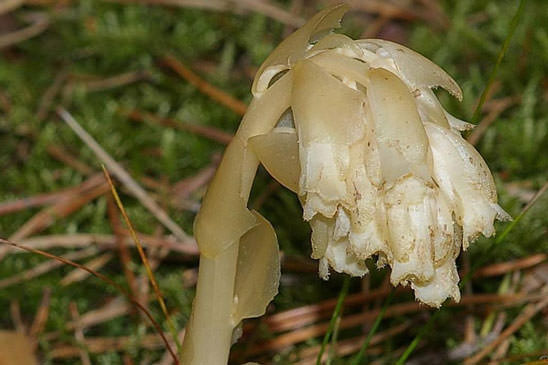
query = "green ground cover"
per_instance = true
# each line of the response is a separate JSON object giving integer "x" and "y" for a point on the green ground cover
{"x": 88, "y": 41}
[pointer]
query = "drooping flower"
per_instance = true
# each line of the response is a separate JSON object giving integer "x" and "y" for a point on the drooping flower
{"x": 380, "y": 167}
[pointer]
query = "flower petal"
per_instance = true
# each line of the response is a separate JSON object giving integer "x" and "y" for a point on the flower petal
{"x": 401, "y": 139}
{"x": 465, "y": 179}
{"x": 278, "y": 151}
{"x": 417, "y": 70}
{"x": 294, "y": 47}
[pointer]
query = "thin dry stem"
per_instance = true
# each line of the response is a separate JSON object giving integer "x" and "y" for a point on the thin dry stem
{"x": 501, "y": 268}
{"x": 15, "y": 311}
{"x": 50, "y": 94}
{"x": 42, "y": 314}
{"x": 48, "y": 198}
{"x": 61, "y": 209}
{"x": 37, "y": 27}
{"x": 212, "y": 133}
{"x": 79, "y": 334}
{"x": 105, "y": 241}
{"x": 45, "y": 267}
{"x": 63, "y": 155}
{"x": 142, "y": 254}
{"x": 352, "y": 345}
{"x": 104, "y": 279}
{"x": 498, "y": 107}
{"x": 528, "y": 312}
{"x": 123, "y": 251}
{"x": 9, "y": 5}
{"x": 77, "y": 275}
{"x": 124, "y": 177}
{"x": 216, "y": 94}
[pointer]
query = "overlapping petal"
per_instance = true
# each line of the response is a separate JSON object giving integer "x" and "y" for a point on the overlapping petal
{"x": 379, "y": 166}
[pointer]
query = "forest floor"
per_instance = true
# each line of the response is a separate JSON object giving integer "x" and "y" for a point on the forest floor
{"x": 138, "y": 77}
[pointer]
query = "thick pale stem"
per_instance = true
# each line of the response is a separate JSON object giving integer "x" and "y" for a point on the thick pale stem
{"x": 209, "y": 331}
{"x": 222, "y": 221}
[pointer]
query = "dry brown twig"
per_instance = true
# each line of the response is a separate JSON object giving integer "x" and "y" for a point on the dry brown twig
{"x": 212, "y": 133}
{"x": 97, "y": 345}
{"x": 42, "y": 314}
{"x": 9, "y": 5}
{"x": 125, "y": 178}
{"x": 39, "y": 25}
{"x": 48, "y": 198}
{"x": 263, "y": 7}
{"x": 166, "y": 359}
{"x": 528, "y": 312}
{"x": 113, "y": 309}
{"x": 501, "y": 268}
{"x": 115, "y": 81}
{"x": 105, "y": 279}
{"x": 375, "y": 27}
{"x": 496, "y": 109}
{"x": 123, "y": 252}
{"x": 15, "y": 312}
{"x": 272, "y": 11}
{"x": 50, "y": 94}
{"x": 46, "y": 267}
{"x": 95, "y": 264}
{"x": 352, "y": 345}
{"x": 185, "y": 187}
{"x": 215, "y": 93}
{"x": 62, "y": 154}
{"x": 61, "y": 209}
{"x": 384, "y": 9}
{"x": 79, "y": 334}
{"x": 105, "y": 241}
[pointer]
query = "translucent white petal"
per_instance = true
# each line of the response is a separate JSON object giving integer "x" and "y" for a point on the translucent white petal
{"x": 278, "y": 151}
{"x": 294, "y": 47}
{"x": 417, "y": 70}
{"x": 430, "y": 108}
{"x": 342, "y": 67}
{"x": 464, "y": 178}
{"x": 457, "y": 124}
{"x": 322, "y": 228}
{"x": 400, "y": 135}
{"x": 443, "y": 285}
{"x": 322, "y": 175}
{"x": 410, "y": 223}
{"x": 342, "y": 260}
{"x": 345, "y": 45}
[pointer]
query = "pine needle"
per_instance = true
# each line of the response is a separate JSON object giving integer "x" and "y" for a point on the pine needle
{"x": 144, "y": 259}
{"x": 105, "y": 279}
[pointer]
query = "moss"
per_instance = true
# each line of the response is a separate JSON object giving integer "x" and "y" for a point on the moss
{"x": 96, "y": 39}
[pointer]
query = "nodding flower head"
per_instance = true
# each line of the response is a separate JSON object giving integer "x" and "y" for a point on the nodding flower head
{"x": 379, "y": 166}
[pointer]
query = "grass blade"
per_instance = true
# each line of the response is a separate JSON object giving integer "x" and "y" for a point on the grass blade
{"x": 529, "y": 205}
{"x": 425, "y": 328}
{"x": 513, "y": 25}
{"x": 359, "y": 359}
{"x": 334, "y": 317}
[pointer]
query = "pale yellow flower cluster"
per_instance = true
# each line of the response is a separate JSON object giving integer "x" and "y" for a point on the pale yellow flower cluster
{"x": 379, "y": 166}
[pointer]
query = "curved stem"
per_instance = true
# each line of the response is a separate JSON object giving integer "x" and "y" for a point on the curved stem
{"x": 223, "y": 219}
{"x": 209, "y": 331}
